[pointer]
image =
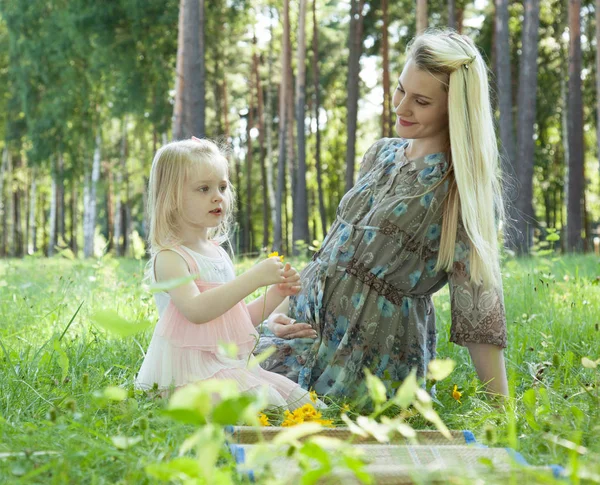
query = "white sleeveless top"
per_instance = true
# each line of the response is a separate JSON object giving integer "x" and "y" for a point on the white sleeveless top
{"x": 212, "y": 270}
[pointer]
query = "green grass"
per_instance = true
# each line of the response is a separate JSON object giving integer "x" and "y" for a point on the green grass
{"x": 55, "y": 365}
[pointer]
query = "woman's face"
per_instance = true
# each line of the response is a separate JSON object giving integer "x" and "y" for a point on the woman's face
{"x": 421, "y": 104}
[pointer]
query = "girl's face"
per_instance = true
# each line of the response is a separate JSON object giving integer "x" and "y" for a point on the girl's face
{"x": 206, "y": 195}
{"x": 421, "y": 104}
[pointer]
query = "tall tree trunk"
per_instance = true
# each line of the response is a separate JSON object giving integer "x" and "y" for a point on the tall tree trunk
{"x": 269, "y": 129}
{"x": 117, "y": 223}
{"x": 283, "y": 129}
{"x": 421, "y": 16}
{"x": 575, "y": 131}
{"x": 53, "y": 239}
{"x": 386, "y": 117}
{"x": 60, "y": 200}
{"x": 74, "y": 220}
{"x": 110, "y": 212}
{"x": 526, "y": 119}
{"x": 598, "y": 80}
{"x": 89, "y": 227}
{"x": 355, "y": 46}
{"x": 18, "y": 241}
{"x": 315, "y": 70}
{"x": 300, "y": 219}
{"x": 261, "y": 143}
{"x": 125, "y": 195}
{"x": 4, "y": 173}
{"x": 248, "y": 239}
{"x": 505, "y": 105}
{"x": 32, "y": 231}
{"x": 193, "y": 69}
{"x": 291, "y": 148}
{"x": 178, "y": 111}
{"x": 44, "y": 218}
{"x": 452, "y": 14}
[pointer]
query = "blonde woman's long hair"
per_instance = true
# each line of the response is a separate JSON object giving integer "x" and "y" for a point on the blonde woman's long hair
{"x": 474, "y": 188}
{"x": 172, "y": 166}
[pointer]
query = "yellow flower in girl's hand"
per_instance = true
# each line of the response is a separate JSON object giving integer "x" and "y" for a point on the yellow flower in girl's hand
{"x": 313, "y": 396}
{"x": 275, "y": 253}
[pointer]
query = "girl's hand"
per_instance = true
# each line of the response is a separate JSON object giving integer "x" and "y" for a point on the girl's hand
{"x": 268, "y": 272}
{"x": 285, "y": 327}
{"x": 291, "y": 286}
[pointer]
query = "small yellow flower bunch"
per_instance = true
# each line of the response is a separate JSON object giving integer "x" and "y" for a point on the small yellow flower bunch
{"x": 456, "y": 394}
{"x": 345, "y": 408}
{"x": 275, "y": 253}
{"x": 305, "y": 414}
{"x": 263, "y": 419}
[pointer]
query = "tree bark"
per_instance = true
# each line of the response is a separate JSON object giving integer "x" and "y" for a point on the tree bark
{"x": 315, "y": 69}
{"x": 74, "y": 220}
{"x": 90, "y": 201}
{"x": 248, "y": 239}
{"x": 598, "y": 80}
{"x": 300, "y": 219}
{"x": 386, "y": 117}
{"x": 32, "y": 226}
{"x": 283, "y": 129}
{"x": 355, "y": 47}
{"x": 575, "y": 132}
{"x": 53, "y": 239}
{"x": 526, "y": 119}
{"x": 4, "y": 174}
{"x": 505, "y": 105}
{"x": 421, "y": 16}
{"x": 452, "y": 14}
{"x": 178, "y": 112}
{"x": 269, "y": 129}
{"x": 60, "y": 201}
{"x": 18, "y": 241}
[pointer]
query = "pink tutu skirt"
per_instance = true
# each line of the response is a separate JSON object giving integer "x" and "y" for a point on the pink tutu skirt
{"x": 182, "y": 352}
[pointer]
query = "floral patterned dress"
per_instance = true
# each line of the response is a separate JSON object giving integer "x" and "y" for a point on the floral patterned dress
{"x": 368, "y": 290}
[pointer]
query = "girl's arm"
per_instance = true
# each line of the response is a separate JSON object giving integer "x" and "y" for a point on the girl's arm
{"x": 264, "y": 305}
{"x": 488, "y": 360}
{"x": 201, "y": 307}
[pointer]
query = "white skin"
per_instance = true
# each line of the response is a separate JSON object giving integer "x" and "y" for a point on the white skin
{"x": 203, "y": 195}
{"x": 421, "y": 101}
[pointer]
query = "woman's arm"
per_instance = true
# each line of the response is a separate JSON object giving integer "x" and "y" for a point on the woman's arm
{"x": 488, "y": 360}
{"x": 201, "y": 307}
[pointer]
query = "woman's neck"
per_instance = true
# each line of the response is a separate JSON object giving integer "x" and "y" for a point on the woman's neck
{"x": 421, "y": 147}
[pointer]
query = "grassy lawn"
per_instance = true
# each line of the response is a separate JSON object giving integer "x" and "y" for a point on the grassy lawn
{"x": 55, "y": 365}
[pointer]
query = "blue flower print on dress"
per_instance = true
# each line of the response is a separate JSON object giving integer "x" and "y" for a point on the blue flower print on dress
{"x": 385, "y": 307}
{"x": 406, "y": 304}
{"x": 426, "y": 200}
{"x": 414, "y": 277}
{"x": 400, "y": 209}
{"x": 344, "y": 234}
{"x": 434, "y": 159}
{"x": 358, "y": 300}
{"x": 434, "y": 231}
{"x": 369, "y": 236}
{"x": 429, "y": 175}
{"x": 461, "y": 252}
{"x": 430, "y": 267}
{"x": 341, "y": 325}
{"x": 379, "y": 271}
{"x": 346, "y": 256}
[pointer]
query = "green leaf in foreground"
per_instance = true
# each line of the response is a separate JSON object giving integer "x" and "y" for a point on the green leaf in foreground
{"x": 111, "y": 321}
{"x": 171, "y": 284}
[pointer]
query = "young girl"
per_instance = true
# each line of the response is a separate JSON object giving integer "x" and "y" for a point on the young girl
{"x": 190, "y": 201}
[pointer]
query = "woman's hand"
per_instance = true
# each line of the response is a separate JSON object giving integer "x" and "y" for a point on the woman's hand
{"x": 285, "y": 327}
{"x": 291, "y": 285}
{"x": 268, "y": 272}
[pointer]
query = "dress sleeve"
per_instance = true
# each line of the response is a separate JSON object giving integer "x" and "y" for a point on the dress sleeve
{"x": 370, "y": 157}
{"x": 478, "y": 314}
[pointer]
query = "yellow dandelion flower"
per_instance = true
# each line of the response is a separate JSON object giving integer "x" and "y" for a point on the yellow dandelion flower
{"x": 456, "y": 394}
{"x": 345, "y": 408}
{"x": 326, "y": 423}
{"x": 275, "y": 253}
{"x": 313, "y": 396}
{"x": 263, "y": 419}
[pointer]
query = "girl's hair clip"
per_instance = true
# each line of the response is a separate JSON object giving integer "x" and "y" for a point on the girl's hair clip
{"x": 468, "y": 63}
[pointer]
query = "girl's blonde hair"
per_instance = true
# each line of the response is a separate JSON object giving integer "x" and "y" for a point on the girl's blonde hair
{"x": 474, "y": 188}
{"x": 171, "y": 167}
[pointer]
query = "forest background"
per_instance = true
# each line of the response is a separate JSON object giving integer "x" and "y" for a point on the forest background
{"x": 295, "y": 91}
